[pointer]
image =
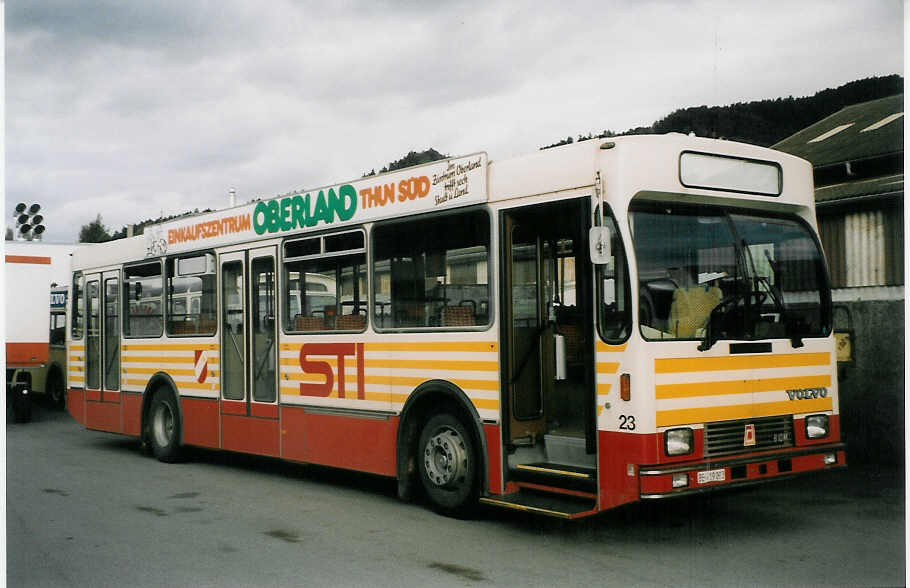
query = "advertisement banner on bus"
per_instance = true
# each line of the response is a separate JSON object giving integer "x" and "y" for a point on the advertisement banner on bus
{"x": 441, "y": 184}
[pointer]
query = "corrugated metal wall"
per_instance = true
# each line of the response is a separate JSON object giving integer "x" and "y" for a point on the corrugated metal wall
{"x": 831, "y": 232}
{"x": 864, "y": 238}
{"x": 864, "y": 247}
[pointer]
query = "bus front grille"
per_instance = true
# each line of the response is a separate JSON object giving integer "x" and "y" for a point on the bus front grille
{"x": 727, "y": 437}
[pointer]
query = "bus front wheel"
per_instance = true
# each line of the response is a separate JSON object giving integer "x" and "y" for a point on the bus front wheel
{"x": 165, "y": 427}
{"x": 447, "y": 461}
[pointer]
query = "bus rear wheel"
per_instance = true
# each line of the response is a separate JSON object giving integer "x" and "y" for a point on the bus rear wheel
{"x": 164, "y": 429}
{"x": 447, "y": 461}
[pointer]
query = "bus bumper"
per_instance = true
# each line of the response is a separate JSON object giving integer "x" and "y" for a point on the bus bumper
{"x": 705, "y": 476}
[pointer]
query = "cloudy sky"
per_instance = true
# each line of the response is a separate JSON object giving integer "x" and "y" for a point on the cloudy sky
{"x": 134, "y": 109}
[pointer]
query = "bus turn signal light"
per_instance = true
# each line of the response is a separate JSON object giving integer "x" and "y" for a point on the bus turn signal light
{"x": 625, "y": 387}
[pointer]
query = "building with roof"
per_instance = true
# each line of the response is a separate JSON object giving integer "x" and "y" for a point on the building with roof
{"x": 858, "y": 157}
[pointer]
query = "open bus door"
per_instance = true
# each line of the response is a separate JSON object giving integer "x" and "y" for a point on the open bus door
{"x": 547, "y": 325}
{"x": 249, "y": 352}
{"x": 548, "y": 359}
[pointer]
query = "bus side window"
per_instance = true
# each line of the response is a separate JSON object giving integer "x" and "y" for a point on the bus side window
{"x": 325, "y": 283}
{"x": 614, "y": 309}
{"x": 191, "y": 296}
{"x": 78, "y": 305}
{"x": 432, "y": 272}
{"x": 142, "y": 307}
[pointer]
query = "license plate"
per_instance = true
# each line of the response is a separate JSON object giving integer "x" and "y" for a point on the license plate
{"x": 711, "y": 476}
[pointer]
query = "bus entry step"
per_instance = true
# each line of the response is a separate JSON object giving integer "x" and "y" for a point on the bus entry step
{"x": 564, "y": 507}
{"x": 554, "y": 474}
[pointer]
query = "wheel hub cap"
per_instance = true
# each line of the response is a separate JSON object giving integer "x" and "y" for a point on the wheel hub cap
{"x": 445, "y": 458}
{"x": 164, "y": 425}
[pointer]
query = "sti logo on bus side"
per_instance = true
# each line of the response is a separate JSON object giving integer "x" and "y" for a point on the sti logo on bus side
{"x": 324, "y": 368}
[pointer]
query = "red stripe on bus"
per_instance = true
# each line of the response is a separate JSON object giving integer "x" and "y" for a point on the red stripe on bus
{"x": 265, "y": 411}
{"x": 200, "y": 421}
{"x": 75, "y": 404}
{"x": 233, "y": 407}
{"x": 102, "y": 416}
{"x": 30, "y": 259}
{"x": 338, "y": 441}
{"x": 26, "y": 354}
{"x": 249, "y": 435}
{"x": 491, "y": 432}
{"x": 131, "y": 406}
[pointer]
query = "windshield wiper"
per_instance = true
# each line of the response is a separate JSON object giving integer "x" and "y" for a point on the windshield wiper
{"x": 774, "y": 290}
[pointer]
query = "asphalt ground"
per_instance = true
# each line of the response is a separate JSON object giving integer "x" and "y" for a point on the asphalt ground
{"x": 90, "y": 509}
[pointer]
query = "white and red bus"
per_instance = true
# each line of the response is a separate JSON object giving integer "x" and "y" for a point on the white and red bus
{"x": 33, "y": 336}
{"x": 562, "y": 333}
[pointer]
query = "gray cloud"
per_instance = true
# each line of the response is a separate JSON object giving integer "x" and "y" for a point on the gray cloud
{"x": 138, "y": 108}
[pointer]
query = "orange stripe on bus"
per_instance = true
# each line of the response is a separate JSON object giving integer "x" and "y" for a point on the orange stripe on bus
{"x": 158, "y": 359}
{"x": 430, "y": 364}
{"x": 686, "y": 416}
{"x": 425, "y": 364}
{"x": 412, "y": 382}
{"x": 691, "y": 390}
{"x": 26, "y": 353}
{"x": 169, "y": 371}
{"x": 601, "y": 346}
{"x": 171, "y": 347}
{"x": 418, "y": 346}
{"x": 30, "y": 259}
{"x": 607, "y": 367}
{"x": 740, "y": 362}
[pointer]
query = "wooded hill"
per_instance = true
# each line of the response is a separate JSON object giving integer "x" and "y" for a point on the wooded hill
{"x": 762, "y": 122}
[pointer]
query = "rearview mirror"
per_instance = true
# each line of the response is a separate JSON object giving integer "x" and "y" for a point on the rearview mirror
{"x": 599, "y": 245}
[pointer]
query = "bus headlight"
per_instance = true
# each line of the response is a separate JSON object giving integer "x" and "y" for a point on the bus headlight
{"x": 678, "y": 441}
{"x": 816, "y": 426}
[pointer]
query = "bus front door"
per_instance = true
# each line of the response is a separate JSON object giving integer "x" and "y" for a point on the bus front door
{"x": 249, "y": 353}
{"x": 547, "y": 323}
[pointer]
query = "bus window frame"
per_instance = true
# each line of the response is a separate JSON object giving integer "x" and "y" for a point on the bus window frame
{"x": 645, "y": 201}
{"x": 78, "y": 298}
{"x": 124, "y": 286}
{"x": 165, "y": 314}
{"x": 608, "y": 215}
{"x": 118, "y": 300}
{"x": 780, "y": 173}
{"x": 283, "y": 306}
{"x": 491, "y": 260}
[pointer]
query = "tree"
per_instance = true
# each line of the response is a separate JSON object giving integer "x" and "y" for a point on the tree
{"x": 412, "y": 158}
{"x": 94, "y": 232}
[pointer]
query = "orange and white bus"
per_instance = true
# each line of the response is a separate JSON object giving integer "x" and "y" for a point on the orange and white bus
{"x": 562, "y": 333}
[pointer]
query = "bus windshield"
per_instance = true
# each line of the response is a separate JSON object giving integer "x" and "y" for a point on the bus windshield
{"x": 708, "y": 273}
